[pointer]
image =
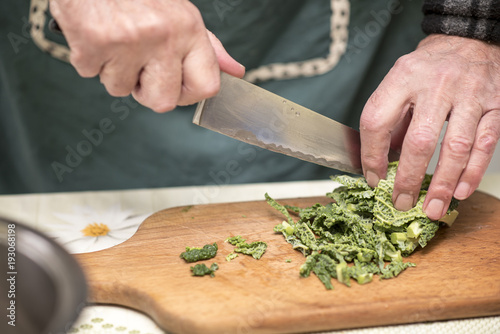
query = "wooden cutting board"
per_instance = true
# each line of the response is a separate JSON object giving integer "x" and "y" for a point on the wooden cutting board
{"x": 457, "y": 274}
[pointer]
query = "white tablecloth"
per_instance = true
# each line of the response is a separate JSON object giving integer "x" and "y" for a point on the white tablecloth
{"x": 65, "y": 215}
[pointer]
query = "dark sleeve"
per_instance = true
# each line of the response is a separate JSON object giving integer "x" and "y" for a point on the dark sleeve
{"x": 479, "y": 19}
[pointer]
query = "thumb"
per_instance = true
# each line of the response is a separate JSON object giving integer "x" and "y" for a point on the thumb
{"x": 226, "y": 62}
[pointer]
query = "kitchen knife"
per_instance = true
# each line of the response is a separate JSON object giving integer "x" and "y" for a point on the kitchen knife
{"x": 256, "y": 116}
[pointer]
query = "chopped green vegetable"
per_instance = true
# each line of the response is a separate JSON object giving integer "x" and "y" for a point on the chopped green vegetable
{"x": 235, "y": 240}
{"x": 231, "y": 256}
{"x": 201, "y": 269}
{"x": 361, "y": 226}
{"x": 186, "y": 208}
{"x": 255, "y": 249}
{"x": 288, "y": 260}
{"x": 322, "y": 265}
{"x": 193, "y": 254}
{"x": 280, "y": 208}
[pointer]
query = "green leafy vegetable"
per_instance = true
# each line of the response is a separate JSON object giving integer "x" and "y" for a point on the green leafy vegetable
{"x": 235, "y": 240}
{"x": 187, "y": 208}
{"x": 193, "y": 254}
{"x": 201, "y": 269}
{"x": 231, "y": 256}
{"x": 361, "y": 227}
{"x": 256, "y": 249}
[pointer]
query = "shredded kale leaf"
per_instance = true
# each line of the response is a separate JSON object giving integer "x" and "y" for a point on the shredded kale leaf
{"x": 201, "y": 269}
{"x": 231, "y": 256}
{"x": 361, "y": 227}
{"x": 235, "y": 240}
{"x": 193, "y": 254}
{"x": 256, "y": 249}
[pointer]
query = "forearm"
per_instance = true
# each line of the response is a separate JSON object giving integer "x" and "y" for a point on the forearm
{"x": 474, "y": 19}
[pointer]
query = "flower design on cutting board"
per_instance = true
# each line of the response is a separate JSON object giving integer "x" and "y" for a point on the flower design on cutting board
{"x": 89, "y": 230}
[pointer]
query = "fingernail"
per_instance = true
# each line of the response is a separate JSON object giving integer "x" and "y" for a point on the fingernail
{"x": 434, "y": 209}
{"x": 462, "y": 191}
{"x": 372, "y": 179}
{"x": 404, "y": 202}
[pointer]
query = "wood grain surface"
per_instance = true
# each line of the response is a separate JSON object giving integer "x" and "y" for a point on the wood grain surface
{"x": 457, "y": 274}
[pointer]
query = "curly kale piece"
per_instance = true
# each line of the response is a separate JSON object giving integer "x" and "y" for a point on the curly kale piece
{"x": 201, "y": 269}
{"x": 394, "y": 268}
{"x": 280, "y": 208}
{"x": 235, "y": 240}
{"x": 323, "y": 266}
{"x": 384, "y": 212}
{"x": 256, "y": 249}
{"x": 231, "y": 256}
{"x": 193, "y": 254}
{"x": 361, "y": 227}
{"x": 304, "y": 233}
{"x": 288, "y": 231}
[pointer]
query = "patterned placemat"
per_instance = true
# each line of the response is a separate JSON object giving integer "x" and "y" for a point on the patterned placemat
{"x": 118, "y": 320}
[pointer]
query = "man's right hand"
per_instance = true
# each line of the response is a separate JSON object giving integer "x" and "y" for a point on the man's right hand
{"x": 157, "y": 50}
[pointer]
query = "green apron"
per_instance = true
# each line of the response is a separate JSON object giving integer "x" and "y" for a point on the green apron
{"x": 61, "y": 132}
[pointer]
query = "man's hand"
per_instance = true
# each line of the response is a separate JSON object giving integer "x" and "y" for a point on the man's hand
{"x": 158, "y": 50}
{"x": 445, "y": 78}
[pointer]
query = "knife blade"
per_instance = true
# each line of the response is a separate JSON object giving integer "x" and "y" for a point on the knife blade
{"x": 256, "y": 116}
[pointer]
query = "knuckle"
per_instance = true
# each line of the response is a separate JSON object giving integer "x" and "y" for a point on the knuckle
{"x": 154, "y": 28}
{"x": 127, "y": 34}
{"x": 117, "y": 91}
{"x": 374, "y": 116}
{"x": 162, "y": 106}
{"x": 156, "y": 104}
{"x": 369, "y": 122}
{"x": 374, "y": 163}
{"x": 100, "y": 36}
{"x": 200, "y": 89}
{"x": 374, "y": 98}
{"x": 409, "y": 184}
{"x": 94, "y": 35}
{"x": 79, "y": 61}
{"x": 442, "y": 189}
{"x": 209, "y": 90}
{"x": 406, "y": 64}
{"x": 409, "y": 179}
{"x": 186, "y": 22}
{"x": 370, "y": 161}
{"x": 76, "y": 58}
{"x": 487, "y": 140}
{"x": 459, "y": 145}
{"x": 422, "y": 139}
{"x": 192, "y": 17}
